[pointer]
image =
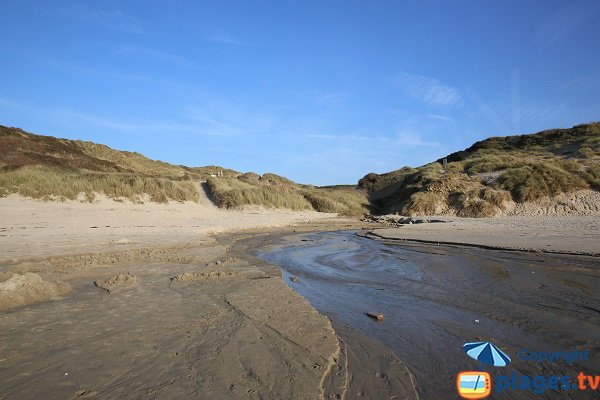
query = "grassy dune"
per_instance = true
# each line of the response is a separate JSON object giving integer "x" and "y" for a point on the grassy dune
{"x": 271, "y": 190}
{"x": 45, "y": 167}
{"x": 41, "y": 182}
{"x": 478, "y": 182}
{"x": 482, "y": 179}
{"x": 232, "y": 193}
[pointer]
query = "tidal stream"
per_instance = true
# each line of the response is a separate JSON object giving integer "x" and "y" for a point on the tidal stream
{"x": 436, "y": 298}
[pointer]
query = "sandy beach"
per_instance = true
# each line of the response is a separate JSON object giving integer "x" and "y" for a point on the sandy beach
{"x": 33, "y": 228}
{"x": 120, "y": 300}
{"x": 389, "y": 200}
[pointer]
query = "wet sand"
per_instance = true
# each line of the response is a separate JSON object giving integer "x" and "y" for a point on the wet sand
{"x": 437, "y": 297}
{"x": 220, "y": 326}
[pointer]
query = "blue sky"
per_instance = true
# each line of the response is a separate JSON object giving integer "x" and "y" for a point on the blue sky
{"x": 322, "y": 92}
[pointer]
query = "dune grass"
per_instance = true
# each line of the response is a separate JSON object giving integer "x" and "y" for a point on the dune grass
{"x": 272, "y": 191}
{"x": 344, "y": 201}
{"x": 466, "y": 195}
{"x": 374, "y": 182}
{"x": 483, "y": 179}
{"x": 478, "y": 182}
{"x": 234, "y": 193}
{"x": 45, "y": 183}
{"x": 532, "y": 182}
{"x": 130, "y": 161}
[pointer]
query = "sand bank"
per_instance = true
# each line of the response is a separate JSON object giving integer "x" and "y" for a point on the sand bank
{"x": 572, "y": 235}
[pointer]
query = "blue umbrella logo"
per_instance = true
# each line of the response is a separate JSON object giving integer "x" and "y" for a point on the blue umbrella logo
{"x": 487, "y": 353}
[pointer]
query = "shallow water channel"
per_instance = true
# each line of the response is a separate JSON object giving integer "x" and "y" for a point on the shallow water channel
{"x": 436, "y": 298}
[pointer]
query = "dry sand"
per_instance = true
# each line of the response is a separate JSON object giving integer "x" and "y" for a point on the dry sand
{"x": 572, "y": 234}
{"x": 33, "y": 228}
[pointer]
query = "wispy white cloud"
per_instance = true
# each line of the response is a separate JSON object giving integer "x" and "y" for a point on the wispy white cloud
{"x": 564, "y": 22}
{"x": 587, "y": 81}
{"x": 117, "y": 20}
{"x": 213, "y": 126}
{"x": 545, "y": 114}
{"x": 409, "y": 138}
{"x": 349, "y": 137}
{"x": 430, "y": 91}
{"x": 134, "y": 126}
{"x": 487, "y": 111}
{"x": 160, "y": 55}
{"x": 336, "y": 158}
{"x": 440, "y": 117}
{"x": 214, "y": 115}
{"x": 404, "y": 137}
{"x": 69, "y": 117}
{"x": 225, "y": 38}
{"x": 334, "y": 99}
{"x": 59, "y": 65}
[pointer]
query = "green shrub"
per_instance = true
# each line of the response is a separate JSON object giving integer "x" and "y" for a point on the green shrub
{"x": 273, "y": 192}
{"x": 586, "y": 152}
{"x": 276, "y": 179}
{"x": 345, "y": 201}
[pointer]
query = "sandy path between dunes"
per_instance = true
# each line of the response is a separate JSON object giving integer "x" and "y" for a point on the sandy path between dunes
{"x": 575, "y": 235}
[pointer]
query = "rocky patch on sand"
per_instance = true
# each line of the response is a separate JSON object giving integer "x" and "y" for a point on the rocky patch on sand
{"x": 29, "y": 288}
{"x": 397, "y": 220}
